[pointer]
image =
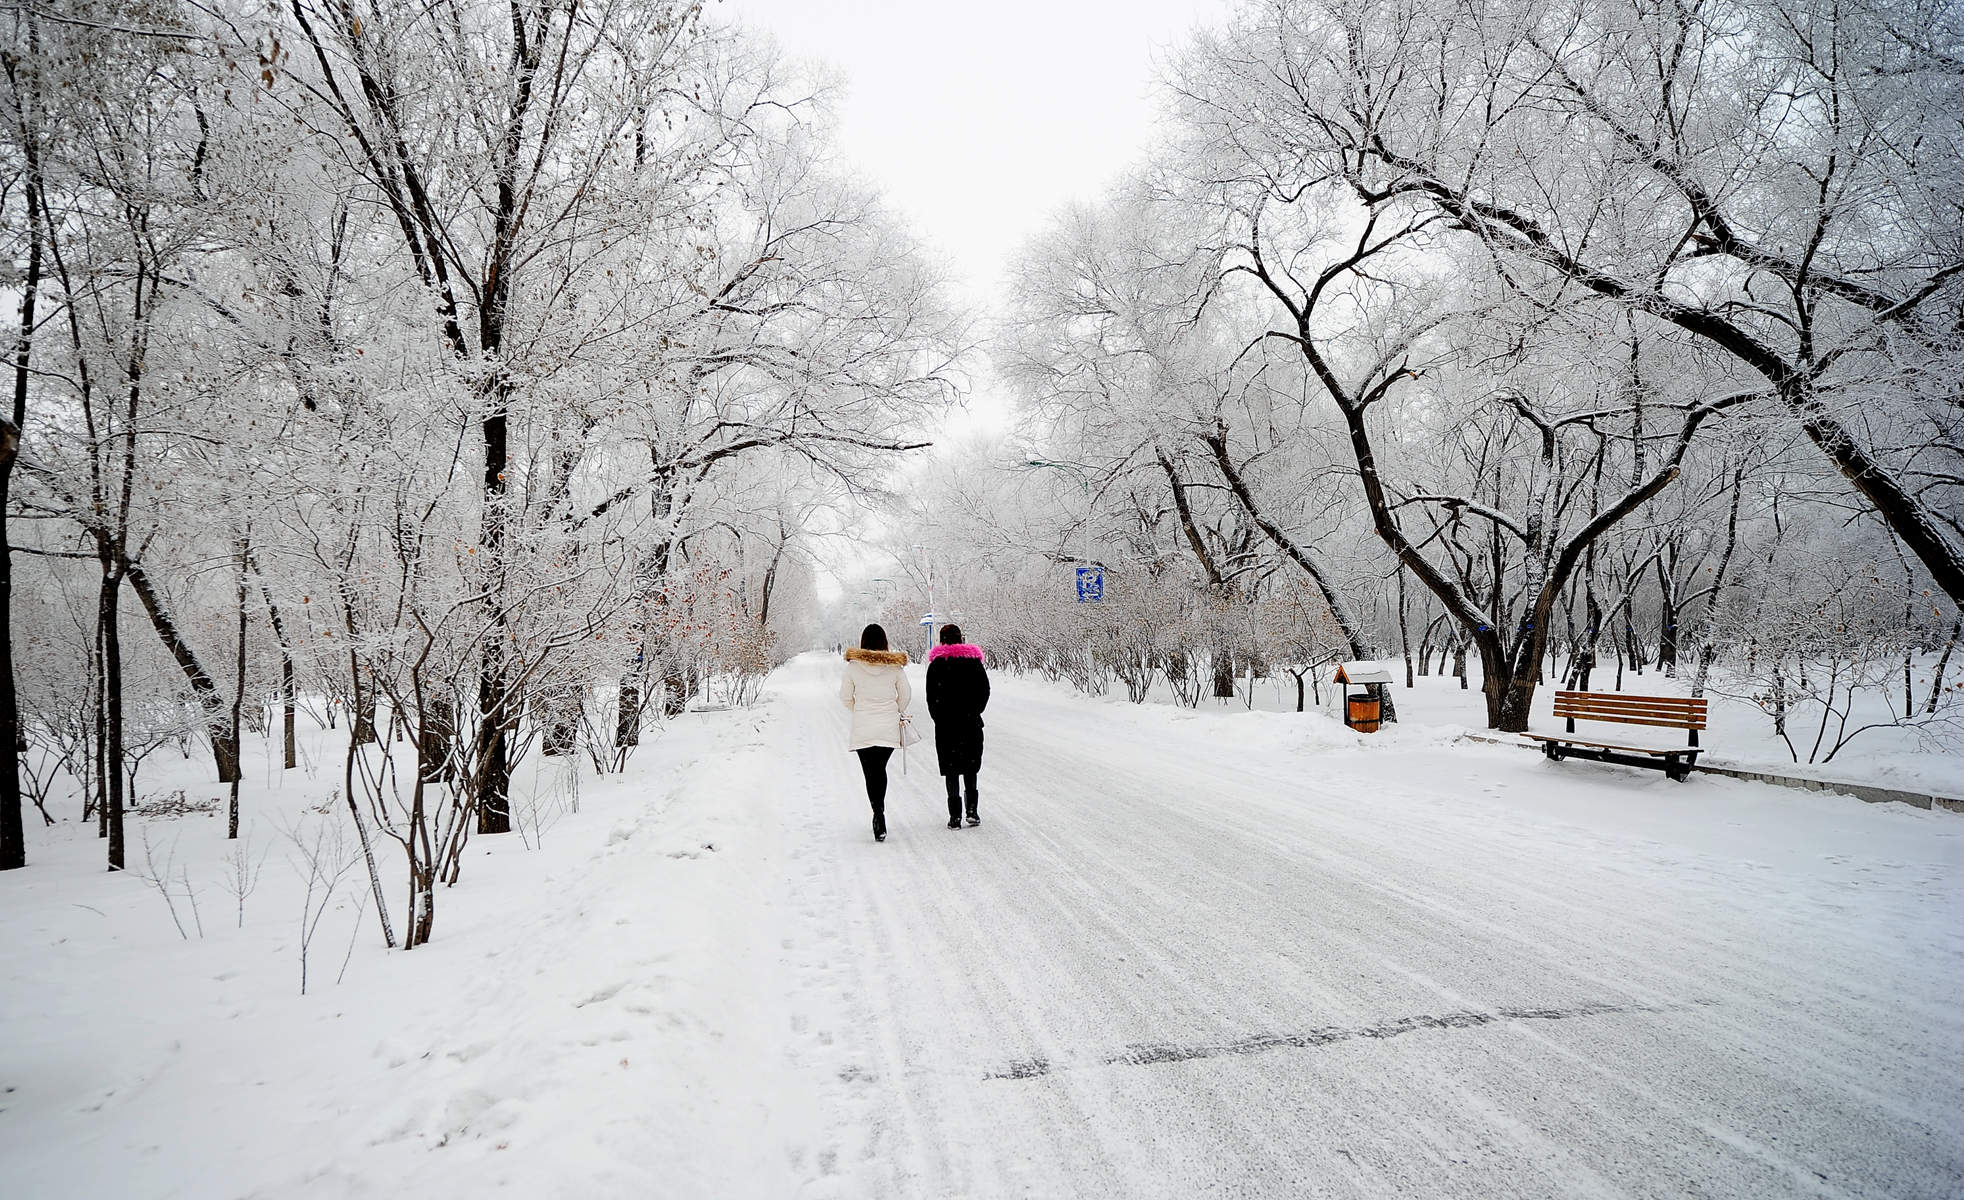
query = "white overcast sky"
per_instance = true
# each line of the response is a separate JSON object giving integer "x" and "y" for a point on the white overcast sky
{"x": 979, "y": 120}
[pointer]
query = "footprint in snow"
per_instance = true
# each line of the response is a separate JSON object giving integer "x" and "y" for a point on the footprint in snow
{"x": 467, "y": 1053}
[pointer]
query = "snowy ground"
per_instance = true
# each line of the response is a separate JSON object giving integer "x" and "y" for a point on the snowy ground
{"x": 1187, "y": 953}
{"x": 1926, "y": 757}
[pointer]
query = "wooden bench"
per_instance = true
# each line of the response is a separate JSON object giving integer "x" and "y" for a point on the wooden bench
{"x": 1617, "y": 708}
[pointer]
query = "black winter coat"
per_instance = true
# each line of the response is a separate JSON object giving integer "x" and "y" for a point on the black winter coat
{"x": 957, "y": 692}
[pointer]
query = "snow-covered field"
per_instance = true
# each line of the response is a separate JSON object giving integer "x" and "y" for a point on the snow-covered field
{"x": 1187, "y": 953}
{"x": 1921, "y": 756}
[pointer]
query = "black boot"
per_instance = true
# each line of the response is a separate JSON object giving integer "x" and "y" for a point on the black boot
{"x": 974, "y": 818}
{"x": 879, "y": 825}
{"x": 954, "y": 802}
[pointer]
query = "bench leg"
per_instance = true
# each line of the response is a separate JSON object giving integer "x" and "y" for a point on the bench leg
{"x": 1552, "y": 751}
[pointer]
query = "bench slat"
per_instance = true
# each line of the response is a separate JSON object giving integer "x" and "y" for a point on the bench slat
{"x": 1678, "y": 751}
{"x": 1634, "y": 710}
{"x": 1633, "y": 698}
{"x": 1653, "y": 722}
{"x": 1574, "y": 702}
{"x": 1579, "y": 702}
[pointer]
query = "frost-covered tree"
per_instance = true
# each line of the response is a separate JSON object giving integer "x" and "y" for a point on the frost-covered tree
{"x": 1776, "y": 181}
{"x": 406, "y": 363}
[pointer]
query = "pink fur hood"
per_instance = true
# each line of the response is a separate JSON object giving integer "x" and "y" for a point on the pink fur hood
{"x": 955, "y": 650}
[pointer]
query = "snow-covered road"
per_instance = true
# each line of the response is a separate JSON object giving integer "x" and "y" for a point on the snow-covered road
{"x": 1207, "y": 953}
{"x": 1187, "y": 954}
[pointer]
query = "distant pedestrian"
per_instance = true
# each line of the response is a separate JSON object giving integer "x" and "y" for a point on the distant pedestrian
{"x": 957, "y": 692}
{"x": 877, "y": 692}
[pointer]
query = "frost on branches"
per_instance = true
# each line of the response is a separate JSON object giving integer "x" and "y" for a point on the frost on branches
{"x": 404, "y": 377}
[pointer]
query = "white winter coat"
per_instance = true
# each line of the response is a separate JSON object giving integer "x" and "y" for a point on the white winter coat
{"x": 877, "y": 692}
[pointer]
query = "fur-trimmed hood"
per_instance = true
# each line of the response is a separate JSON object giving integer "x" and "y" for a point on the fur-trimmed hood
{"x": 955, "y": 650}
{"x": 877, "y": 658}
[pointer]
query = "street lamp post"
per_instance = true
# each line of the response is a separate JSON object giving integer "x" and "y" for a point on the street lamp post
{"x": 929, "y": 619}
{"x": 1077, "y": 469}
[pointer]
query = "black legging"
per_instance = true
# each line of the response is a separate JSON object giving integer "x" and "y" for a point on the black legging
{"x": 873, "y": 761}
{"x": 954, "y": 794}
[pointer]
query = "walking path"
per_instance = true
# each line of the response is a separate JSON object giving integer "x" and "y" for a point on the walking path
{"x": 1169, "y": 964}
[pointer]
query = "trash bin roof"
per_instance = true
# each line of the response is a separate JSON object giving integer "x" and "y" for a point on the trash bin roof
{"x": 1364, "y": 671}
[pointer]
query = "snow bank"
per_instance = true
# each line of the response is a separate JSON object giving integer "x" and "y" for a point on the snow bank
{"x": 593, "y": 1018}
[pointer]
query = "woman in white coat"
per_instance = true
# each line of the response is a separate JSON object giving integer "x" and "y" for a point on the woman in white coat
{"x": 877, "y": 692}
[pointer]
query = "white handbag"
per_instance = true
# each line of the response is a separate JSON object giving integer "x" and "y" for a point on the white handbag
{"x": 908, "y": 736}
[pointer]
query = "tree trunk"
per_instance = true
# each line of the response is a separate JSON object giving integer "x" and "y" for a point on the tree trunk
{"x": 422, "y": 907}
{"x": 1510, "y": 687}
{"x": 435, "y": 737}
{"x": 224, "y": 747}
{"x": 627, "y": 717}
{"x": 1221, "y": 657}
{"x": 107, "y": 599}
{"x": 770, "y": 575}
{"x": 99, "y": 716}
{"x": 675, "y": 690}
{"x": 1943, "y": 662}
{"x": 493, "y": 775}
{"x": 1428, "y": 642}
{"x": 361, "y": 705}
{"x": 289, "y": 744}
{"x": 13, "y": 839}
{"x": 238, "y": 694}
{"x": 1592, "y": 615}
{"x": 1667, "y": 622}
{"x": 1715, "y": 591}
{"x": 1404, "y": 631}
{"x": 367, "y": 848}
{"x": 562, "y": 726}
{"x": 1516, "y": 700}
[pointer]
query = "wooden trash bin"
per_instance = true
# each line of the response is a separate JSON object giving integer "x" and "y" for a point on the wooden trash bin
{"x": 1363, "y": 712}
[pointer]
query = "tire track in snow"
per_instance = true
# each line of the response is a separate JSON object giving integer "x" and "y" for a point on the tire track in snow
{"x": 1154, "y": 1053}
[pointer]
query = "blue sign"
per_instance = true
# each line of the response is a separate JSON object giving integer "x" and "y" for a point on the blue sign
{"x": 1090, "y": 585}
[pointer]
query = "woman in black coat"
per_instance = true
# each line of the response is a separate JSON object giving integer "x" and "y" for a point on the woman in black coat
{"x": 957, "y": 692}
